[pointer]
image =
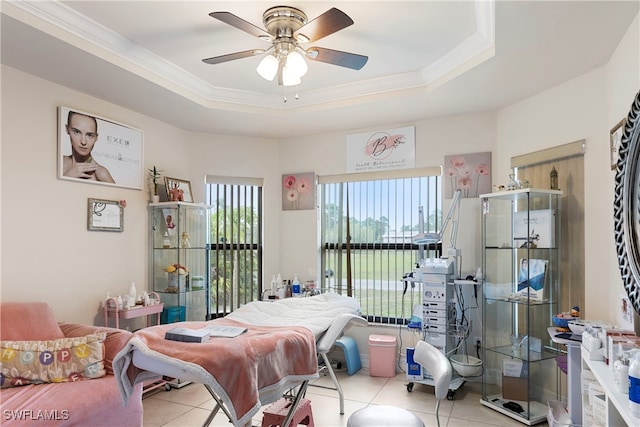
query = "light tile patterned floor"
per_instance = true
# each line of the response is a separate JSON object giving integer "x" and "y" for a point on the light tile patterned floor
{"x": 190, "y": 405}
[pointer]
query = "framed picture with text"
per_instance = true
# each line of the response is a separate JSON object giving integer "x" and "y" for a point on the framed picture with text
{"x": 97, "y": 150}
{"x": 104, "y": 215}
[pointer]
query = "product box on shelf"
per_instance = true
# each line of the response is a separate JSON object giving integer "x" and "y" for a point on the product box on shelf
{"x": 586, "y": 378}
{"x": 595, "y": 389}
{"x": 599, "y": 408}
{"x": 596, "y": 354}
{"x": 513, "y": 368}
{"x": 534, "y": 227}
{"x": 515, "y": 388}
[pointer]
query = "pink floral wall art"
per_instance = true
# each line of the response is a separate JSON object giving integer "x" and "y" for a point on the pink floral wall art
{"x": 470, "y": 173}
{"x": 298, "y": 191}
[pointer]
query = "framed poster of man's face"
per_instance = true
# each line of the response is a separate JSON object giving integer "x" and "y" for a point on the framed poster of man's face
{"x": 97, "y": 150}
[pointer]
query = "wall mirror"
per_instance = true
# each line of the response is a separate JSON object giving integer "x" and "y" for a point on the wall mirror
{"x": 627, "y": 206}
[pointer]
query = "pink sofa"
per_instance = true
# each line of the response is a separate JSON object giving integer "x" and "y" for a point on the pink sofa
{"x": 94, "y": 402}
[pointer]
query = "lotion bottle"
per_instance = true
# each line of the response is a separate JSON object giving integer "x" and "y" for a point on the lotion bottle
{"x": 133, "y": 294}
{"x": 634, "y": 386}
{"x": 621, "y": 371}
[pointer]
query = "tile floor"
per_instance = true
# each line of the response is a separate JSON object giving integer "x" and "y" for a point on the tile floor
{"x": 190, "y": 405}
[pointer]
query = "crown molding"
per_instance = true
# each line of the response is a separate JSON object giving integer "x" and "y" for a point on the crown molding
{"x": 63, "y": 22}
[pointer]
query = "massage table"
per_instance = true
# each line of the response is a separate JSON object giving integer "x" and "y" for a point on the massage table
{"x": 278, "y": 353}
{"x": 326, "y": 315}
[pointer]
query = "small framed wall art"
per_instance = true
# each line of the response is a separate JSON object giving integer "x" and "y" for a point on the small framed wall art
{"x": 178, "y": 190}
{"x": 298, "y": 191}
{"x": 470, "y": 173}
{"x": 614, "y": 140}
{"x": 104, "y": 215}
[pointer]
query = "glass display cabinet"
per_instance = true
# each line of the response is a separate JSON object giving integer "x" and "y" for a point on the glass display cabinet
{"x": 179, "y": 264}
{"x": 521, "y": 264}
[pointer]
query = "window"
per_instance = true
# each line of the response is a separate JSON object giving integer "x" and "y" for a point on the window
{"x": 235, "y": 242}
{"x": 383, "y": 216}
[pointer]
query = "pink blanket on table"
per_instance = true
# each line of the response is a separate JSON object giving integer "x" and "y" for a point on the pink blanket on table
{"x": 246, "y": 372}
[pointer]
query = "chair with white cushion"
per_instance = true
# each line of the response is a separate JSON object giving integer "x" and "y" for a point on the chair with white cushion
{"x": 437, "y": 364}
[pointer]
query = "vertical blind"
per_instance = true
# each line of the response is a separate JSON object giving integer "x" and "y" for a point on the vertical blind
{"x": 235, "y": 242}
{"x": 366, "y": 225}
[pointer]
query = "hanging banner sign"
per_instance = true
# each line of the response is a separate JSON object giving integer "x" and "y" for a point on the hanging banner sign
{"x": 381, "y": 150}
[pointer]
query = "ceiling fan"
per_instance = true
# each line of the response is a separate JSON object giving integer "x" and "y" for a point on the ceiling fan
{"x": 287, "y": 28}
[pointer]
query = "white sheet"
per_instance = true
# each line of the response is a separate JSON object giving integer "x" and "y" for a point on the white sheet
{"x": 316, "y": 313}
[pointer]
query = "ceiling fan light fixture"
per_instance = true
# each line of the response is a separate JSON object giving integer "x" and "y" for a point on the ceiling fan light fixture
{"x": 268, "y": 67}
{"x": 289, "y": 76}
{"x": 297, "y": 64}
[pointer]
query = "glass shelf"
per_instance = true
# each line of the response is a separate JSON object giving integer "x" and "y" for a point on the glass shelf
{"x": 179, "y": 237}
{"x": 521, "y": 293}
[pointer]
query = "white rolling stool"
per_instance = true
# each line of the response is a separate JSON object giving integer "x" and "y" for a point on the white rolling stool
{"x": 384, "y": 416}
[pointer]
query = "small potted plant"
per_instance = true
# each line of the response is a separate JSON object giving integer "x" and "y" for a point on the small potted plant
{"x": 154, "y": 175}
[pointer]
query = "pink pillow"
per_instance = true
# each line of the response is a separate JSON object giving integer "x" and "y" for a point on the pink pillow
{"x": 25, "y": 321}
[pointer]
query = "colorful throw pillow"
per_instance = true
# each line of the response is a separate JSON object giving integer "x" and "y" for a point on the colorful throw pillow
{"x": 53, "y": 361}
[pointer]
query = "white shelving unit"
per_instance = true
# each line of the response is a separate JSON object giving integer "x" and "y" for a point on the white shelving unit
{"x": 613, "y": 410}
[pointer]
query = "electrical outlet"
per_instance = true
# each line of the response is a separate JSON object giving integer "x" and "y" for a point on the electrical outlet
{"x": 478, "y": 341}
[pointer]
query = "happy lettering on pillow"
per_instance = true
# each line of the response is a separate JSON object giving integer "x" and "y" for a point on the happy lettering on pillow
{"x": 53, "y": 361}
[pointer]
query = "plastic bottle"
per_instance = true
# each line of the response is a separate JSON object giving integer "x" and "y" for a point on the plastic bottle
{"x": 166, "y": 241}
{"x": 146, "y": 300}
{"x": 133, "y": 294}
{"x": 274, "y": 285}
{"x": 634, "y": 386}
{"x": 621, "y": 372}
{"x": 602, "y": 335}
{"x": 295, "y": 286}
{"x": 594, "y": 342}
{"x": 288, "y": 290}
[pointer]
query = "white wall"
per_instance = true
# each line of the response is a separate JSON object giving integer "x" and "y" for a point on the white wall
{"x": 584, "y": 108}
{"x": 623, "y": 81}
{"x": 326, "y": 155}
{"x": 47, "y": 252}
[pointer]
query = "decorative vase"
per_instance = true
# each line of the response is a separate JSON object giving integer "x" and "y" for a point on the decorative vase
{"x": 177, "y": 281}
{"x": 155, "y": 198}
{"x": 133, "y": 294}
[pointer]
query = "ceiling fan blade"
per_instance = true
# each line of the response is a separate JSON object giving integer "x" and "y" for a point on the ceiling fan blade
{"x": 241, "y": 24}
{"x": 232, "y": 56}
{"x": 337, "y": 57}
{"x": 328, "y": 23}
